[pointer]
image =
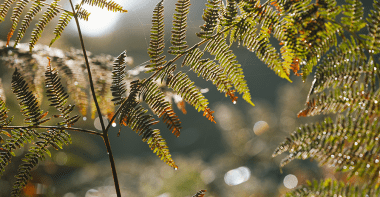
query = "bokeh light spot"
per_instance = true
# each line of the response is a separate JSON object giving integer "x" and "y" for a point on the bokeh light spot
{"x": 237, "y": 176}
{"x": 290, "y": 181}
{"x": 260, "y": 127}
{"x": 61, "y": 158}
{"x": 97, "y": 124}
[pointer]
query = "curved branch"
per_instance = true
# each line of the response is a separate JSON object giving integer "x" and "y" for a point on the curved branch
{"x": 52, "y": 127}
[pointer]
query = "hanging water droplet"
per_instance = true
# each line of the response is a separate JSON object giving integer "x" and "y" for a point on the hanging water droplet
{"x": 176, "y": 168}
{"x": 108, "y": 153}
{"x": 234, "y": 102}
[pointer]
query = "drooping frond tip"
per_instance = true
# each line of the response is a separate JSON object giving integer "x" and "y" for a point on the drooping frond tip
{"x": 58, "y": 96}
{"x": 157, "y": 43}
{"x": 28, "y": 102}
{"x": 54, "y": 138}
{"x": 110, "y": 5}
{"x": 200, "y": 193}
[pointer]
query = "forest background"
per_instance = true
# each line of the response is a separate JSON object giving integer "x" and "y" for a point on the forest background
{"x": 207, "y": 154}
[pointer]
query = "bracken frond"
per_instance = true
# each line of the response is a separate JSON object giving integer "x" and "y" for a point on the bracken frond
{"x": 179, "y": 27}
{"x": 157, "y": 43}
{"x": 17, "y": 10}
{"x": 17, "y": 139}
{"x": 231, "y": 68}
{"x": 328, "y": 187}
{"x": 186, "y": 89}
{"x": 58, "y": 97}
{"x": 64, "y": 20}
{"x": 155, "y": 98}
{"x": 36, "y": 7}
{"x": 48, "y": 15}
{"x": 4, "y": 8}
{"x": 28, "y": 102}
{"x": 141, "y": 123}
{"x": 110, "y": 5}
{"x": 54, "y": 138}
{"x": 210, "y": 16}
{"x": 118, "y": 87}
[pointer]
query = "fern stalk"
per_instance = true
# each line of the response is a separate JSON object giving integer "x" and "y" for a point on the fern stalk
{"x": 105, "y": 131}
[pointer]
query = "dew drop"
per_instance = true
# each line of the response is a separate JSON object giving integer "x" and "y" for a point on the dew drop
{"x": 234, "y": 102}
{"x": 176, "y": 168}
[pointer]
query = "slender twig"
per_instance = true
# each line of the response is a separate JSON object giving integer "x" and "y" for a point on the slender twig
{"x": 88, "y": 68}
{"x": 52, "y": 127}
{"x": 105, "y": 132}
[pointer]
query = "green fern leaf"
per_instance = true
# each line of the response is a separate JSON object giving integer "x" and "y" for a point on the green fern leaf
{"x": 58, "y": 97}
{"x": 208, "y": 70}
{"x": 141, "y": 123}
{"x": 4, "y": 9}
{"x": 64, "y": 20}
{"x": 17, "y": 10}
{"x": 179, "y": 29}
{"x": 373, "y": 28}
{"x": 354, "y": 12}
{"x": 330, "y": 187}
{"x": 82, "y": 13}
{"x": 110, "y": 5}
{"x": 28, "y": 102}
{"x": 49, "y": 14}
{"x": 232, "y": 70}
{"x": 118, "y": 87}
{"x": 36, "y": 7}
{"x": 210, "y": 16}
{"x": 155, "y": 98}
{"x": 54, "y": 138}
{"x": 157, "y": 43}
{"x": 18, "y": 138}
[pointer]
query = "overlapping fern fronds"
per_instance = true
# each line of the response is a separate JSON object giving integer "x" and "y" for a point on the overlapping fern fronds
{"x": 346, "y": 84}
{"x": 58, "y": 97}
{"x": 330, "y": 188}
{"x": 54, "y": 138}
{"x": 28, "y": 102}
{"x": 53, "y": 9}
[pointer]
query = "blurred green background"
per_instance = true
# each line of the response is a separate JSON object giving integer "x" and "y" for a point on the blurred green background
{"x": 230, "y": 158}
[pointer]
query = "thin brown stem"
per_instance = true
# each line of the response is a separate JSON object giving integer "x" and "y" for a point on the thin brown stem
{"x": 105, "y": 132}
{"x": 52, "y": 127}
{"x": 88, "y": 69}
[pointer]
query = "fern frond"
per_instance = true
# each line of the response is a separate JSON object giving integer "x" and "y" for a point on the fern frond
{"x": 354, "y": 15}
{"x": 207, "y": 69}
{"x": 110, "y": 5}
{"x": 230, "y": 13}
{"x": 3, "y": 114}
{"x": 231, "y": 68}
{"x": 82, "y": 13}
{"x": 200, "y": 193}
{"x": 18, "y": 138}
{"x": 17, "y": 10}
{"x": 4, "y": 9}
{"x": 179, "y": 27}
{"x": 210, "y": 16}
{"x": 155, "y": 98}
{"x": 356, "y": 152}
{"x": 64, "y": 20}
{"x": 49, "y": 14}
{"x": 157, "y": 44}
{"x": 58, "y": 97}
{"x": 54, "y": 138}
{"x": 118, "y": 87}
{"x": 374, "y": 29}
{"x": 36, "y": 7}
{"x": 330, "y": 187}
{"x": 141, "y": 123}
{"x": 28, "y": 102}
{"x": 186, "y": 89}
